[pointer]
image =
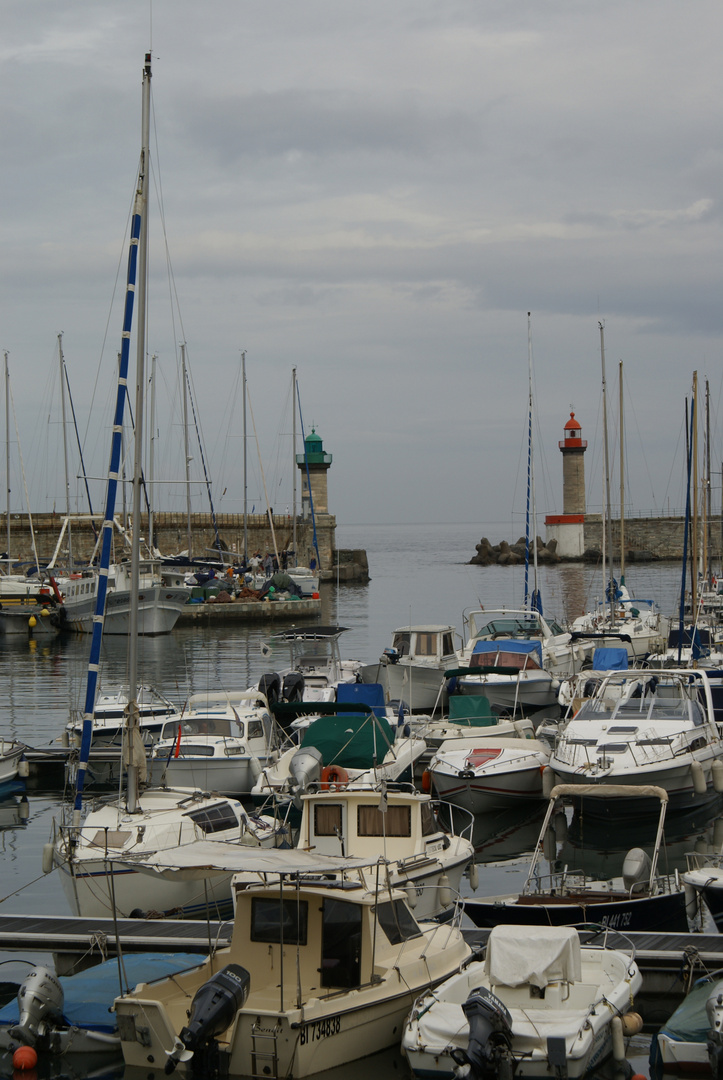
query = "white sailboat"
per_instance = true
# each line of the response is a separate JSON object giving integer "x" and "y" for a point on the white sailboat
{"x": 139, "y": 820}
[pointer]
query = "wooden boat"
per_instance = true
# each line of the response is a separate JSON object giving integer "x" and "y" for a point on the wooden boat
{"x": 642, "y": 900}
{"x": 318, "y": 973}
{"x": 540, "y": 1004}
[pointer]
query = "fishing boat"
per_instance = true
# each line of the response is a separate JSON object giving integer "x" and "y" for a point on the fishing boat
{"x": 319, "y": 973}
{"x": 412, "y": 668}
{"x": 640, "y": 900}
{"x": 221, "y": 742}
{"x": 641, "y": 727}
{"x": 540, "y": 1004}
{"x": 159, "y": 604}
{"x": 420, "y": 851}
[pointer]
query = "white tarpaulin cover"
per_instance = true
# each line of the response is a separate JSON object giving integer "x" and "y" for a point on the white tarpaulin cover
{"x": 212, "y": 855}
{"x": 534, "y": 955}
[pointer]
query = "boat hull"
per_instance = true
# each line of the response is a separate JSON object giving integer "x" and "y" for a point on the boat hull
{"x": 665, "y": 913}
{"x": 158, "y": 610}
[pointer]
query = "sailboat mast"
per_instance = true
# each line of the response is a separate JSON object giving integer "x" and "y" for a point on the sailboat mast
{"x": 65, "y": 447}
{"x": 7, "y": 461}
{"x": 189, "y": 536}
{"x": 622, "y": 477}
{"x": 151, "y": 456}
{"x": 695, "y": 554}
{"x": 133, "y": 769}
{"x": 246, "y": 525}
{"x": 293, "y": 463}
{"x": 608, "y": 517}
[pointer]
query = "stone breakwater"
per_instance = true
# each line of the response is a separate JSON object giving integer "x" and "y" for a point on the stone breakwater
{"x": 505, "y": 554}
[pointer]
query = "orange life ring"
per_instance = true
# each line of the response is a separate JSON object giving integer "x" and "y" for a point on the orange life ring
{"x": 334, "y": 778}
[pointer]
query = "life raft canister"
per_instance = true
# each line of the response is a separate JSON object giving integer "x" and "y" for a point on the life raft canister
{"x": 334, "y": 778}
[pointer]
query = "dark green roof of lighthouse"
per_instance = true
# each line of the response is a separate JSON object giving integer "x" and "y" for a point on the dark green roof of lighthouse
{"x": 314, "y": 451}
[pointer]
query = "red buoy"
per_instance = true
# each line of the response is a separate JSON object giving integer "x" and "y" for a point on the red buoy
{"x": 25, "y": 1058}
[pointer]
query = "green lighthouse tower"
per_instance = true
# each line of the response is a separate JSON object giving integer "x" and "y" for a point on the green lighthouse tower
{"x": 318, "y": 462}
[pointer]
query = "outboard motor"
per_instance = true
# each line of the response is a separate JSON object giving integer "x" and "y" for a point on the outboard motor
{"x": 636, "y": 868}
{"x": 714, "y": 1009}
{"x": 489, "y": 1053}
{"x": 213, "y": 1009}
{"x": 40, "y": 999}
{"x": 293, "y": 686}
{"x": 305, "y": 768}
{"x": 270, "y": 686}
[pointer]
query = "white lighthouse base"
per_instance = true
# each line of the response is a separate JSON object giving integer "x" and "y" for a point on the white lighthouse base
{"x": 570, "y": 535}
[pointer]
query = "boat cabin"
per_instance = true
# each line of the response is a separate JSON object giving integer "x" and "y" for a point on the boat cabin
{"x": 367, "y": 823}
{"x": 421, "y": 643}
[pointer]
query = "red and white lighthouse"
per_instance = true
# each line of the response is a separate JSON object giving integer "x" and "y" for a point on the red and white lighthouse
{"x": 568, "y": 528}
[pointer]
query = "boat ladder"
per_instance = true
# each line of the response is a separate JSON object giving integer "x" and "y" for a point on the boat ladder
{"x": 264, "y": 1057}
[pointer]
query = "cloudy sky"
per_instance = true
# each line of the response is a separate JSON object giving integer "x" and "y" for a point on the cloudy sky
{"x": 376, "y": 193}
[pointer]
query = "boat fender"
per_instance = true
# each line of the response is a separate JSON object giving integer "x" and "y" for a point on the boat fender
{"x": 255, "y": 767}
{"x": 717, "y": 773}
{"x": 426, "y": 784}
{"x": 473, "y": 875}
{"x": 618, "y": 1040}
{"x": 48, "y": 858}
{"x": 698, "y": 777}
{"x": 23, "y": 769}
{"x": 411, "y": 891}
{"x": 693, "y": 907}
{"x": 548, "y": 780}
{"x": 334, "y": 778}
{"x": 549, "y": 846}
{"x": 632, "y": 1024}
{"x": 213, "y": 1010}
{"x": 446, "y": 898}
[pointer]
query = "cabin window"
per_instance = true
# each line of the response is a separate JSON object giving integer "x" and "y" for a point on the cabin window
{"x": 256, "y": 729}
{"x": 397, "y": 921}
{"x": 613, "y": 748}
{"x": 397, "y": 821}
{"x": 266, "y": 920}
{"x": 401, "y": 643}
{"x": 426, "y": 645}
{"x": 327, "y": 819}
{"x": 341, "y": 939}
{"x": 214, "y": 818}
{"x": 194, "y": 750}
{"x": 429, "y": 825}
{"x": 447, "y": 645}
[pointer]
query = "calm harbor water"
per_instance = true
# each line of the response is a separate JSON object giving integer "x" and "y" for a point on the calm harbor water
{"x": 419, "y": 573}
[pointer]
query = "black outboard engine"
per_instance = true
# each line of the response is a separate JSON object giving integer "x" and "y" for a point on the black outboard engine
{"x": 293, "y": 686}
{"x": 213, "y": 1009}
{"x": 270, "y": 686}
{"x": 489, "y": 1052}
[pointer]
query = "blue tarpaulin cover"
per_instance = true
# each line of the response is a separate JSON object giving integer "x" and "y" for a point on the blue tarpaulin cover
{"x": 90, "y": 994}
{"x": 509, "y": 645}
{"x": 610, "y": 659}
{"x": 371, "y": 694}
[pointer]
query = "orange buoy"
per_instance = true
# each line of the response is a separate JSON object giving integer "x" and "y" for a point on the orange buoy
{"x": 334, "y": 778}
{"x": 426, "y": 781}
{"x": 25, "y": 1057}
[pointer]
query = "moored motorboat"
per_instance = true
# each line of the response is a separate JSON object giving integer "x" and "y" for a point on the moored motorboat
{"x": 690, "y": 1043}
{"x": 318, "y": 974}
{"x": 111, "y": 713}
{"x": 641, "y": 727}
{"x": 412, "y": 668}
{"x": 482, "y": 774}
{"x": 640, "y": 900}
{"x": 540, "y": 1004}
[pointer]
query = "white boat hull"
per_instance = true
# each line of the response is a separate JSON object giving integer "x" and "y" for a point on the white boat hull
{"x": 158, "y": 610}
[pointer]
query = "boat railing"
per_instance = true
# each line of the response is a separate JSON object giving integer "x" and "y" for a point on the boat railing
{"x": 445, "y": 813}
{"x": 696, "y": 860}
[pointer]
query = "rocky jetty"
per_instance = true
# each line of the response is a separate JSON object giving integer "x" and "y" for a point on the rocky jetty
{"x": 505, "y": 554}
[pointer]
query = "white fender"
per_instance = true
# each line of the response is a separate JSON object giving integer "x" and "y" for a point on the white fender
{"x": 48, "y": 858}
{"x": 717, "y": 774}
{"x": 698, "y": 777}
{"x": 616, "y": 1027}
{"x": 446, "y": 898}
{"x": 473, "y": 875}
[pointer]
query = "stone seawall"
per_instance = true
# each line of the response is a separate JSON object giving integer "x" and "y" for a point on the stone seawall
{"x": 171, "y": 532}
{"x": 654, "y": 537}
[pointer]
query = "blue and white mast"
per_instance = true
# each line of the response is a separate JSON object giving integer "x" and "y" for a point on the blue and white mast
{"x": 137, "y": 264}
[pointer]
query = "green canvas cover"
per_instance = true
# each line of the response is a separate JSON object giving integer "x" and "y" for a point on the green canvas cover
{"x": 474, "y": 709}
{"x": 350, "y": 740}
